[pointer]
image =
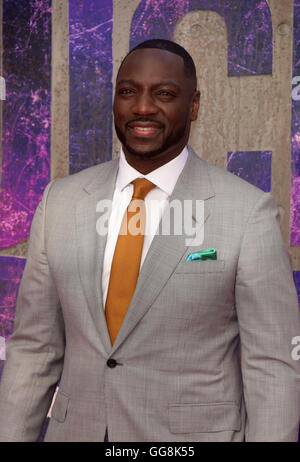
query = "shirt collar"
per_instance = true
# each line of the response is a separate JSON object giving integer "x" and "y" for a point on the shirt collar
{"x": 164, "y": 177}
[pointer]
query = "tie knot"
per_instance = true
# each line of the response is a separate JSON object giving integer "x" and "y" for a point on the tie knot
{"x": 141, "y": 188}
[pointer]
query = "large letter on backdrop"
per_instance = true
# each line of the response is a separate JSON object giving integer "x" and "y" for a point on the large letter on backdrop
{"x": 250, "y": 52}
{"x": 250, "y": 42}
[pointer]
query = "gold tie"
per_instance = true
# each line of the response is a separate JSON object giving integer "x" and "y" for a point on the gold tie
{"x": 127, "y": 258}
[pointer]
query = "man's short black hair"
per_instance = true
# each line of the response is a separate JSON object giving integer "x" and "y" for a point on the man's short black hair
{"x": 172, "y": 47}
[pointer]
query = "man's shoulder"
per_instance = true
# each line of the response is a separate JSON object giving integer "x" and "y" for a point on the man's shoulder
{"x": 223, "y": 180}
{"x": 85, "y": 179}
{"x": 89, "y": 174}
{"x": 225, "y": 183}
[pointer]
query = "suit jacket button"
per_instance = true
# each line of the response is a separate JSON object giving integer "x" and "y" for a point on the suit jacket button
{"x": 111, "y": 363}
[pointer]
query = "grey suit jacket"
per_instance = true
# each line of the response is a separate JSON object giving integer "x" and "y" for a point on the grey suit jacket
{"x": 204, "y": 353}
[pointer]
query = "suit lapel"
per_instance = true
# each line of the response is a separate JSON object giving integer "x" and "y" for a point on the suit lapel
{"x": 91, "y": 246}
{"x": 166, "y": 251}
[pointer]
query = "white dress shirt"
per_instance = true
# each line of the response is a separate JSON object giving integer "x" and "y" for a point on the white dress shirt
{"x": 164, "y": 178}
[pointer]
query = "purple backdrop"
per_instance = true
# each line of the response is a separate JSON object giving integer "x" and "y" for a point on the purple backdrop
{"x": 253, "y": 166}
{"x": 91, "y": 71}
{"x": 295, "y": 144}
{"x": 26, "y": 115}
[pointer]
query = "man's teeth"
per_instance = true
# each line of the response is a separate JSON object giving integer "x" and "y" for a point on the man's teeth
{"x": 145, "y": 129}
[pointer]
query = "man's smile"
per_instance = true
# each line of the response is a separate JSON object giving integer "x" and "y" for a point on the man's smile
{"x": 145, "y": 129}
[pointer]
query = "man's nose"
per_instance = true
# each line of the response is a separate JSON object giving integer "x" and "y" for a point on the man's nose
{"x": 144, "y": 105}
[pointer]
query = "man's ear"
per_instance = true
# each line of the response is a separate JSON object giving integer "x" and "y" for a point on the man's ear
{"x": 195, "y": 104}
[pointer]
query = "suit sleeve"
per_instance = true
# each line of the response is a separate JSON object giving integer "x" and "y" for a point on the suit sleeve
{"x": 268, "y": 316}
{"x": 35, "y": 350}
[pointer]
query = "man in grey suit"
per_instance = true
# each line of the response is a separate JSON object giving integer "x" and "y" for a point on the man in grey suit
{"x": 204, "y": 352}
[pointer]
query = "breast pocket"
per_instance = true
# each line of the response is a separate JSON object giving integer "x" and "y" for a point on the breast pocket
{"x": 200, "y": 266}
{"x": 200, "y": 292}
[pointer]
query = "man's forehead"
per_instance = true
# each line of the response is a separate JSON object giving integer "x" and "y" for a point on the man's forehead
{"x": 162, "y": 59}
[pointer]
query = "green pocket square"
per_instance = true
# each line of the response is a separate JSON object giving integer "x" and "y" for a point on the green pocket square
{"x": 209, "y": 254}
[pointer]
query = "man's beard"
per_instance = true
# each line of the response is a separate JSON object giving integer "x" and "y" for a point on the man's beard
{"x": 172, "y": 140}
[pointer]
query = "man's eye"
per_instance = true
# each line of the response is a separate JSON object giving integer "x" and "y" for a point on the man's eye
{"x": 125, "y": 91}
{"x": 165, "y": 93}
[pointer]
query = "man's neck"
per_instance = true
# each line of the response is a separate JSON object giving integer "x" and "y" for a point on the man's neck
{"x": 146, "y": 164}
